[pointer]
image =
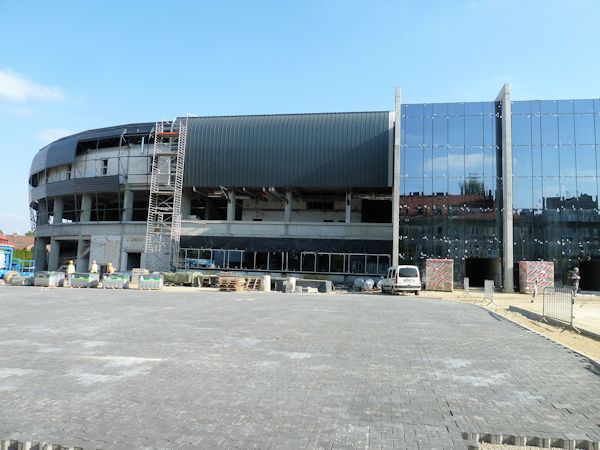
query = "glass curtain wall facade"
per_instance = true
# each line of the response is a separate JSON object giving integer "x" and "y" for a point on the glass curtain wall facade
{"x": 449, "y": 206}
{"x": 555, "y": 182}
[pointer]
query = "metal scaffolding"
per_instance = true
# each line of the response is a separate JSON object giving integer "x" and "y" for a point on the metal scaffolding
{"x": 163, "y": 229}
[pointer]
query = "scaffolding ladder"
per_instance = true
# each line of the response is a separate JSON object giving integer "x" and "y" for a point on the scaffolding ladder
{"x": 163, "y": 229}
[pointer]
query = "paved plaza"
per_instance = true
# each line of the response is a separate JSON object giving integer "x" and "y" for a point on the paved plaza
{"x": 203, "y": 369}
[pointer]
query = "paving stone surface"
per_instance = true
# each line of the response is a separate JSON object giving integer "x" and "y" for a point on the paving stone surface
{"x": 130, "y": 369}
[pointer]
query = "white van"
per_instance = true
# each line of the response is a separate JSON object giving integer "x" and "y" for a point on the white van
{"x": 401, "y": 278}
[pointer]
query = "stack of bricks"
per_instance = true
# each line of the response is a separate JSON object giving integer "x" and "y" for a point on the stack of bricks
{"x": 530, "y": 271}
{"x": 439, "y": 274}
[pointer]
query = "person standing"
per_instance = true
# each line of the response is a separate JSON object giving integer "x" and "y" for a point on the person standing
{"x": 109, "y": 268}
{"x": 535, "y": 290}
{"x": 94, "y": 268}
{"x": 575, "y": 279}
{"x": 70, "y": 271}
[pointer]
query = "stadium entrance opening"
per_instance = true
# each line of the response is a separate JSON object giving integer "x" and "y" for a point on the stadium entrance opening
{"x": 588, "y": 271}
{"x": 477, "y": 270}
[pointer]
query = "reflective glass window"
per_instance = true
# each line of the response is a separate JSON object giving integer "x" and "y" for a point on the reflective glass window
{"x": 584, "y": 129}
{"x": 440, "y": 185}
{"x": 427, "y": 162}
{"x": 489, "y": 130}
{"x": 474, "y": 161}
{"x": 520, "y": 108}
{"x": 440, "y": 109}
{"x": 489, "y": 161}
{"x": 456, "y": 162}
{"x": 536, "y": 160}
{"x": 428, "y": 186}
{"x": 565, "y": 106}
{"x": 536, "y": 130}
{"x": 414, "y": 162}
{"x": 587, "y": 186}
{"x": 597, "y": 106}
{"x": 538, "y": 196}
{"x": 522, "y": 193}
{"x": 566, "y": 129}
{"x": 583, "y": 106}
{"x": 521, "y": 130}
{"x": 440, "y": 162}
{"x": 414, "y": 130}
{"x": 489, "y": 108}
{"x": 427, "y": 110}
{"x": 551, "y": 188}
{"x": 536, "y": 107}
{"x": 586, "y": 160}
{"x": 567, "y": 160}
{"x": 474, "y": 130}
{"x": 568, "y": 187}
{"x": 548, "y": 107}
{"x": 455, "y": 187}
{"x": 550, "y": 160}
{"x": 413, "y": 186}
{"x": 456, "y": 109}
{"x": 427, "y": 130}
{"x": 440, "y": 131}
{"x": 549, "y": 130}
{"x": 456, "y": 131}
{"x": 522, "y": 160}
{"x": 414, "y": 110}
{"x": 474, "y": 109}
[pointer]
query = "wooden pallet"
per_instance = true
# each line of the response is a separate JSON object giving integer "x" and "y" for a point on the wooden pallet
{"x": 253, "y": 284}
{"x": 229, "y": 284}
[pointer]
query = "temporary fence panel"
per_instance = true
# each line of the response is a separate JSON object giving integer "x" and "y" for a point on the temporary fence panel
{"x": 558, "y": 304}
{"x": 532, "y": 271}
{"x": 439, "y": 274}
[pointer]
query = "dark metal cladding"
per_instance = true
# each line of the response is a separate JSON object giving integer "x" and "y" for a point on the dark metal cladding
{"x": 328, "y": 150}
{"x": 108, "y": 183}
{"x": 62, "y": 151}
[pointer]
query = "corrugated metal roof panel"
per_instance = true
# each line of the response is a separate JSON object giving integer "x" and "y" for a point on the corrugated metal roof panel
{"x": 329, "y": 150}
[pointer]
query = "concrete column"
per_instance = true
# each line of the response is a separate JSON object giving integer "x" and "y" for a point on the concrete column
{"x": 289, "y": 202}
{"x": 348, "y": 207}
{"x": 186, "y": 204}
{"x": 83, "y": 256}
{"x": 86, "y": 208}
{"x": 42, "y": 213}
{"x": 507, "y": 197}
{"x": 231, "y": 207}
{"x": 396, "y": 182}
{"x": 57, "y": 212}
{"x": 39, "y": 253}
{"x": 127, "y": 206}
{"x": 54, "y": 258}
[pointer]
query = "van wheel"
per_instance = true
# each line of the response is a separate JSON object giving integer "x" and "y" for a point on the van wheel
{"x": 417, "y": 292}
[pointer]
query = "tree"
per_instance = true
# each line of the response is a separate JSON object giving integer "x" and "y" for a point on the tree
{"x": 472, "y": 186}
{"x": 29, "y": 233}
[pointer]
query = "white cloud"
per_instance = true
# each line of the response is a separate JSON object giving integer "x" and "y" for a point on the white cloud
{"x": 15, "y": 86}
{"x": 52, "y": 134}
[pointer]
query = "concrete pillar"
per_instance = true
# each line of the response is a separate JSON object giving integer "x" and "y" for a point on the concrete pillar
{"x": 57, "y": 212}
{"x": 39, "y": 253}
{"x": 54, "y": 258}
{"x": 83, "y": 256}
{"x": 348, "y": 207}
{"x": 86, "y": 208}
{"x": 42, "y": 213}
{"x": 127, "y": 206}
{"x": 507, "y": 197}
{"x": 186, "y": 205}
{"x": 289, "y": 202}
{"x": 231, "y": 207}
{"x": 396, "y": 182}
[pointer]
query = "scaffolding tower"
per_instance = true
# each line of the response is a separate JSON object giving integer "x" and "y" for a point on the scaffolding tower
{"x": 163, "y": 229}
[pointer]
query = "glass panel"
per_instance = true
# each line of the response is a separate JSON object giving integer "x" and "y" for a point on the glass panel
{"x": 550, "y": 160}
{"x": 538, "y": 197}
{"x": 440, "y": 109}
{"x": 522, "y": 161}
{"x": 587, "y": 187}
{"x": 551, "y": 189}
{"x": 489, "y": 131}
{"x": 456, "y": 109}
{"x": 474, "y": 161}
{"x": 520, "y": 108}
{"x": 474, "y": 130}
{"x": 440, "y": 185}
{"x": 583, "y": 106}
{"x": 440, "y": 131}
{"x": 413, "y": 186}
{"x": 522, "y": 193}
{"x": 521, "y": 130}
{"x": 568, "y": 187}
{"x": 427, "y": 162}
{"x": 584, "y": 129}
{"x": 455, "y": 188}
{"x": 307, "y": 260}
{"x": 440, "y": 162}
{"x": 565, "y": 106}
{"x": 549, "y": 130}
{"x": 413, "y": 166}
{"x": 337, "y": 263}
{"x": 413, "y": 110}
{"x": 323, "y": 262}
{"x": 489, "y": 161}
{"x": 548, "y": 107}
{"x": 474, "y": 109}
{"x": 566, "y": 129}
{"x": 567, "y": 160}
{"x": 536, "y": 130}
{"x": 456, "y": 131}
{"x": 456, "y": 162}
{"x": 586, "y": 160}
{"x": 414, "y": 131}
{"x": 536, "y": 160}
{"x": 427, "y": 130}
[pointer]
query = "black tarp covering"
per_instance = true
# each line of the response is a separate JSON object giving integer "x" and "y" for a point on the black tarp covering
{"x": 292, "y": 245}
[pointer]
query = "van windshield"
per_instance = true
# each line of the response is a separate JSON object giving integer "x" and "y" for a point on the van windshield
{"x": 408, "y": 272}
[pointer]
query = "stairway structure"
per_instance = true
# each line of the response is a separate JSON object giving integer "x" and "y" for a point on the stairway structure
{"x": 163, "y": 229}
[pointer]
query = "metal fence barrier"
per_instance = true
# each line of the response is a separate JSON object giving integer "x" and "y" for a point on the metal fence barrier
{"x": 558, "y": 304}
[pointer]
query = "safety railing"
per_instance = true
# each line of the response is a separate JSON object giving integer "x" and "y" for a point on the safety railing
{"x": 558, "y": 304}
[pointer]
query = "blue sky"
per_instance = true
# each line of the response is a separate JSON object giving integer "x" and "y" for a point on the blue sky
{"x": 69, "y": 66}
